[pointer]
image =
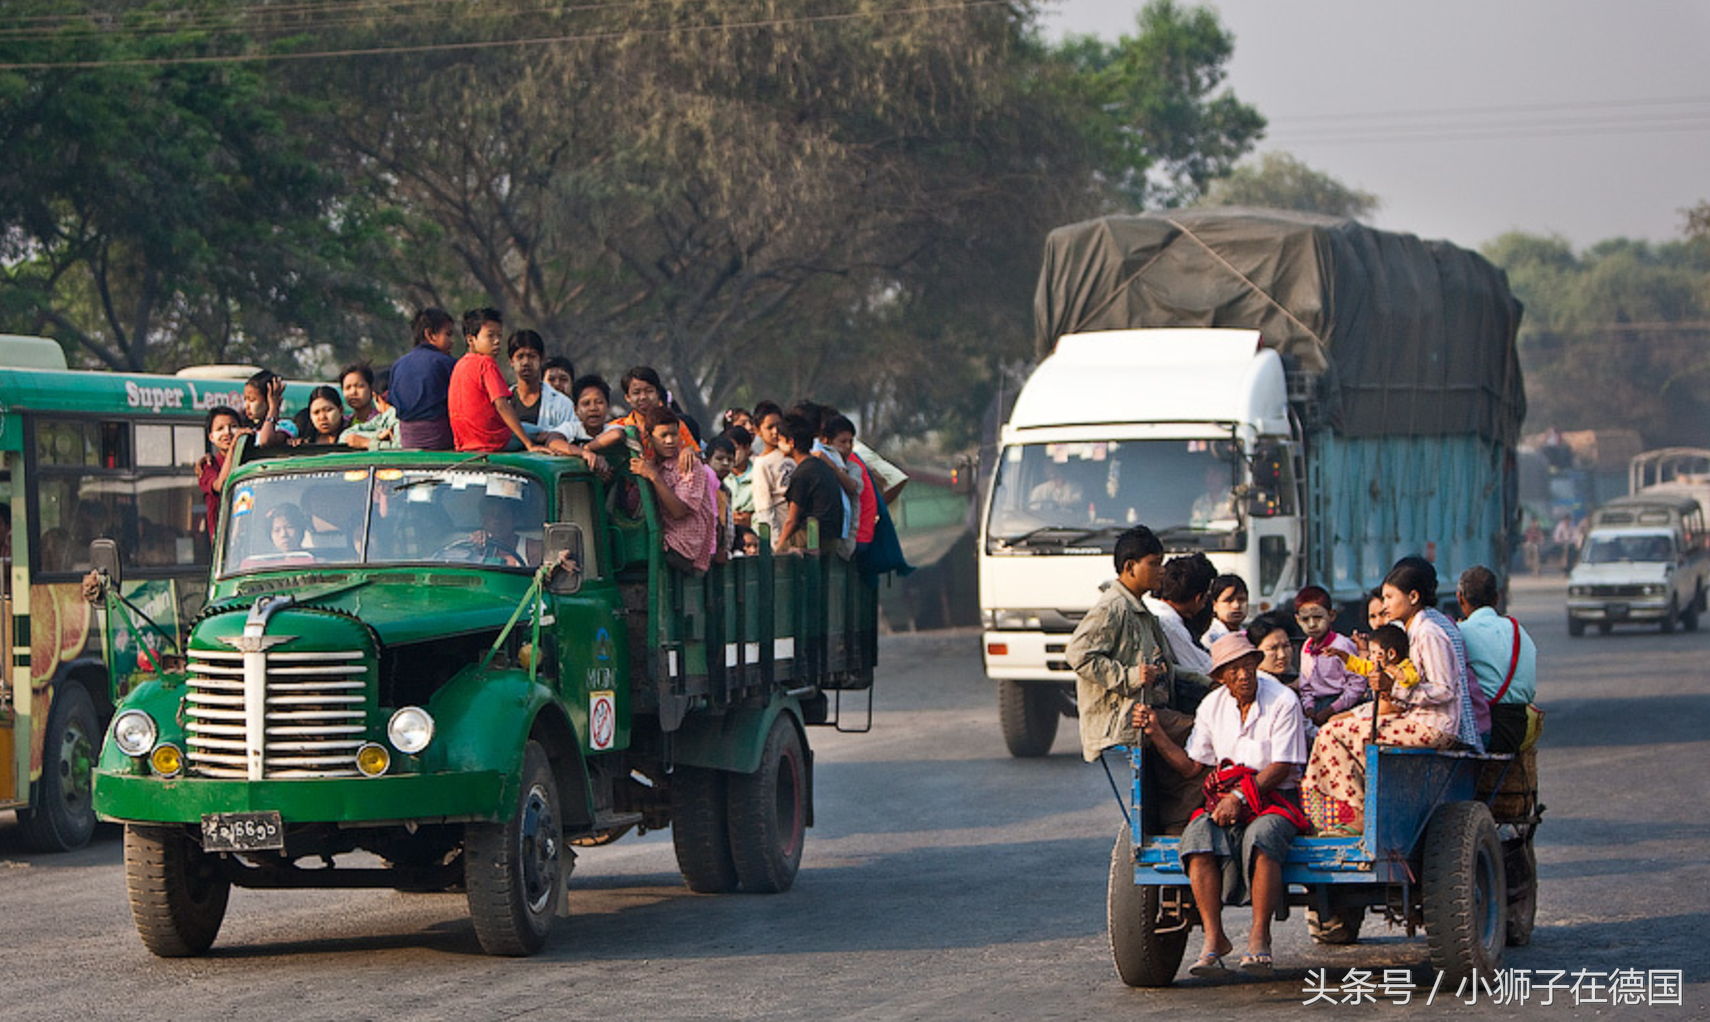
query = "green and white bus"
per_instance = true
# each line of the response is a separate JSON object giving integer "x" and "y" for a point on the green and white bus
{"x": 89, "y": 455}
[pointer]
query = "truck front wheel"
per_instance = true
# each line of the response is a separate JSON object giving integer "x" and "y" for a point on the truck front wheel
{"x": 515, "y": 870}
{"x": 178, "y": 892}
{"x": 768, "y": 813}
{"x": 1028, "y": 714}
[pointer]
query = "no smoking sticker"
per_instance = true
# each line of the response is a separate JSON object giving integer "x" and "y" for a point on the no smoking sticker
{"x": 602, "y": 720}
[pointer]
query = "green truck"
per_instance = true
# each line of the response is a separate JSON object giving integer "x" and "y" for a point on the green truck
{"x": 464, "y": 666}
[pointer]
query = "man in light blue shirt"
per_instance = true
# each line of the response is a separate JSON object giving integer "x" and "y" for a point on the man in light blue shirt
{"x": 1497, "y": 647}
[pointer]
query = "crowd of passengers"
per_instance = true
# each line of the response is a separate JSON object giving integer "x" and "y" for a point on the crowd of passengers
{"x": 1251, "y": 753}
{"x": 767, "y": 474}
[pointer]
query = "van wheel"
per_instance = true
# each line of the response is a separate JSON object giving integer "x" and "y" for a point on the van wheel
{"x": 1689, "y": 616}
{"x": 63, "y": 817}
{"x": 1028, "y": 714}
{"x": 1669, "y": 618}
{"x": 768, "y": 813}
{"x": 515, "y": 870}
{"x": 1576, "y": 627}
{"x": 178, "y": 892}
{"x": 700, "y": 829}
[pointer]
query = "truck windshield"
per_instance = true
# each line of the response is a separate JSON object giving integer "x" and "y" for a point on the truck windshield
{"x": 1612, "y": 549}
{"x": 1083, "y": 495}
{"x": 383, "y": 516}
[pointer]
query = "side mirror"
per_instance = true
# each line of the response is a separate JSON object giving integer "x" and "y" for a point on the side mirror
{"x": 104, "y": 558}
{"x": 563, "y": 546}
{"x": 1267, "y": 466}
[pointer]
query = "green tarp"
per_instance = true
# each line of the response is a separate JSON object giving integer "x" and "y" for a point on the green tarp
{"x": 1402, "y": 336}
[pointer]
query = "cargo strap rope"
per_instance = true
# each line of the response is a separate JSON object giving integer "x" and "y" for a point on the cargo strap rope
{"x": 117, "y": 604}
{"x": 1323, "y": 345}
{"x": 531, "y": 597}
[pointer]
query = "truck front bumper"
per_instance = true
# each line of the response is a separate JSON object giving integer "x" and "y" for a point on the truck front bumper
{"x": 1027, "y": 656}
{"x": 420, "y": 798}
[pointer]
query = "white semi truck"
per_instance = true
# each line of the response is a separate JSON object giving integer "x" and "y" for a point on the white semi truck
{"x": 1302, "y": 399}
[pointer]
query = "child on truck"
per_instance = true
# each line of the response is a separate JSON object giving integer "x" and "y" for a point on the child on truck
{"x": 1326, "y": 686}
{"x": 482, "y": 415}
{"x": 1389, "y": 649}
{"x": 688, "y": 515}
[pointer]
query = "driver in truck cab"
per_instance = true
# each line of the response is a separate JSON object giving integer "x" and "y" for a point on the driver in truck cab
{"x": 1122, "y": 659}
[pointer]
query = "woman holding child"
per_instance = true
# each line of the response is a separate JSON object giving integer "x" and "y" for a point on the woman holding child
{"x": 1432, "y": 713}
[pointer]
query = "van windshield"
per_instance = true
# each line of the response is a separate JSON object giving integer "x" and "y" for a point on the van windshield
{"x": 1614, "y": 549}
{"x": 383, "y": 516}
{"x": 1083, "y": 495}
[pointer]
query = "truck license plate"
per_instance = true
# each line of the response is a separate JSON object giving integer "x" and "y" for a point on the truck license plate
{"x": 242, "y": 832}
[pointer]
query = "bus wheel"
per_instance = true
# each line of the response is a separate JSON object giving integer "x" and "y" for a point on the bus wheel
{"x": 64, "y": 814}
{"x": 1028, "y": 715}
{"x": 700, "y": 829}
{"x": 515, "y": 870}
{"x": 768, "y": 813}
{"x": 178, "y": 892}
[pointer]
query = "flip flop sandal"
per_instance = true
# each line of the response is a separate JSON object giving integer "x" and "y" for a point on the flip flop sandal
{"x": 1258, "y": 964}
{"x": 1208, "y": 965}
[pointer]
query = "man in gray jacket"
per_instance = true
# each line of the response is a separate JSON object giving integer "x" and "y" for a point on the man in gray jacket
{"x": 1121, "y": 657}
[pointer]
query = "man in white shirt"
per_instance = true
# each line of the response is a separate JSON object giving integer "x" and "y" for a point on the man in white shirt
{"x": 1183, "y": 594}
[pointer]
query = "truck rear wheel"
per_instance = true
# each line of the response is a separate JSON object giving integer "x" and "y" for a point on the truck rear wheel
{"x": 178, "y": 892}
{"x": 515, "y": 870}
{"x": 1028, "y": 714}
{"x": 1144, "y": 957}
{"x": 1463, "y": 894}
{"x": 63, "y": 817}
{"x": 700, "y": 829}
{"x": 768, "y": 813}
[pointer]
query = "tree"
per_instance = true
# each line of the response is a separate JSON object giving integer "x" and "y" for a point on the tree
{"x": 1615, "y": 337}
{"x": 1165, "y": 130}
{"x": 1280, "y": 181}
{"x": 159, "y": 214}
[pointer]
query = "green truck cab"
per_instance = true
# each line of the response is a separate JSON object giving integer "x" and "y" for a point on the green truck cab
{"x": 463, "y": 666}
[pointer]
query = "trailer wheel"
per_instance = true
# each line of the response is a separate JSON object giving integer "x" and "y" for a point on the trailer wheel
{"x": 1028, "y": 714}
{"x": 1341, "y": 926}
{"x": 700, "y": 829}
{"x": 178, "y": 892}
{"x": 768, "y": 813}
{"x": 64, "y": 814}
{"x": 1520, "y": 866}
{"x": 515, "y": 870}
{"x": 1143, "y": 956}
{"x": 1463, "y": 893}
{"x": 1576, "y": 627}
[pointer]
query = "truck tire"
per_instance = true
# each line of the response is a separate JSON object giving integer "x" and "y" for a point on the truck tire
{"x": 63, "y": 817}
{"x": 768, "y": 813}
{"x": 1463, "y": 892}
{"x": 1520, "y": 865}
{"x": 1670, "y": 616}
{"x": 1143, "y": 956}
{"x": 178, "y": 892}
{"x": 1341, "y": 926}
{"x": 700, "y": 829}
{"x": 1576, "y": 627}
{"x": 1028, "y": 714}
{"x": 514, "y": 870}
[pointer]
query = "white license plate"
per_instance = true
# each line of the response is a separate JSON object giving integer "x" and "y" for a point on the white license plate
{"x": 242, "y": 832}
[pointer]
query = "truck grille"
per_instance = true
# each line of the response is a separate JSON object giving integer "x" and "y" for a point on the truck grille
{"x": 315, "y": 720}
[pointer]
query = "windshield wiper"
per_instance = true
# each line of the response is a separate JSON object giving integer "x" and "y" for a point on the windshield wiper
{"x": 1074, "y": 535}
{"x": 435, "y": 480}
{"x": 1108, "y": 530}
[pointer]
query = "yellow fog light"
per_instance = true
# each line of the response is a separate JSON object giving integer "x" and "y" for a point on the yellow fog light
{"x": 373, "y": 759}
{"x": 166, "y": 760}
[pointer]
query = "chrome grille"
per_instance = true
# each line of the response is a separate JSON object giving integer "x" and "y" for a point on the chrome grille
{"x": 315, "y": 718}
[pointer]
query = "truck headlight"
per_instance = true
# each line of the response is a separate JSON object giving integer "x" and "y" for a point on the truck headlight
{"x": 410, "y": 729}
{"x": 373, "y": 759}
{"x": 134, "y": 732}
{"x": 1015, "y": 620}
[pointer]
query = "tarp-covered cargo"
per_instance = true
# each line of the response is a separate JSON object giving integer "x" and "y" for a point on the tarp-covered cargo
{"x": 1406, "y": 336}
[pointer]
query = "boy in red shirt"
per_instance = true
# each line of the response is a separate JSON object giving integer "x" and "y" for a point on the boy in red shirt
{"x": 482, "y": 416}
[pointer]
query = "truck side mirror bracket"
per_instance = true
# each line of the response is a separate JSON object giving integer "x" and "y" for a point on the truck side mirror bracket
{"x": 563, "y": 547}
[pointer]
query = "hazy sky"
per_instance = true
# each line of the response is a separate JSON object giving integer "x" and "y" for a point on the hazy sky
{"x": 1584, "y": 118}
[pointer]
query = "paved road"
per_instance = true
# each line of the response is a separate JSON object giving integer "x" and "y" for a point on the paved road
{"x": 944, "y": 880}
